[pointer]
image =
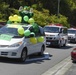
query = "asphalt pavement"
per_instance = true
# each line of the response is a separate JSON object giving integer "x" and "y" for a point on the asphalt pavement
{"x": 53, "y": 58}
{"x": 60, "y": 68}
{"x": 65, "y": 67}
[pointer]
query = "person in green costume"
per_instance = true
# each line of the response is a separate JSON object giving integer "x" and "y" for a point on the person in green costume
{"x": 26, "y": 11}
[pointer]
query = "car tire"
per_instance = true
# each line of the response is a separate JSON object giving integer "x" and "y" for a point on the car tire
{"x": 60, "y": 44}
{"x": 73, "y": 61}
{"x": 64, "y": 43}
{"x": 23, "y": 56}
{"x": 42, "y": 51}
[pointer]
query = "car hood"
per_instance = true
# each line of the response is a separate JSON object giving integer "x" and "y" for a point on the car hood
{"x": 12, "y": 41}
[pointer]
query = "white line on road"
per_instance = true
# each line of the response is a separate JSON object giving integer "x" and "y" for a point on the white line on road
{"x": 60, "y": 68}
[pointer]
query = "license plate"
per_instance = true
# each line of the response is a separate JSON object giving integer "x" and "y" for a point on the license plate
{"x": 48, "y": 43}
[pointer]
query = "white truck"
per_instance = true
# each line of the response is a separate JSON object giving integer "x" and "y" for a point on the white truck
{"x": 72, "y": 35}
{"x": 56, "y": 35}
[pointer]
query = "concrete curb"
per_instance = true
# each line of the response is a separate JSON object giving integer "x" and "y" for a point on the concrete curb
{"x": 60, "y": 68}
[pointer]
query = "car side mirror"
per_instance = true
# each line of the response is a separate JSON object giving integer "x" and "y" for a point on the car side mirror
{"x": 60, "y": 31}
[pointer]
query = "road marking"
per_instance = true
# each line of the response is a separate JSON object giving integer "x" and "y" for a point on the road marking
{"x": 45, "y": 56}
{"x": 61, "y": 68}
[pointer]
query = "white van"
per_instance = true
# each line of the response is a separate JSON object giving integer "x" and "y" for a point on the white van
{"x": 12, "y": 45}
{"x": 56, "y": 35}
{"x": 72, "y": 35}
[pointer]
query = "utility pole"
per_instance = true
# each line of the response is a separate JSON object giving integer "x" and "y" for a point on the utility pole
{"x": 58, "y": 8}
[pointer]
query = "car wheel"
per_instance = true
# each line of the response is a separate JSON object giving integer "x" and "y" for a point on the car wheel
{"x": 60, "y": 44}
{"x": 64, "y": 43}
{"x": 42, "y": 51}
{"x": 73, "y": 61}
{"x": 23, "y": 56}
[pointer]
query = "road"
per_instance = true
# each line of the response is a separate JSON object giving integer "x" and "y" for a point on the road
{"x": 38, "y": 65}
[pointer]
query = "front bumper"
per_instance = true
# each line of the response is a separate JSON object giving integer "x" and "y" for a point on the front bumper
{"x": 10, "y": 52}
{"x": 52, "y": 42}
{"x": 72, "y": 40}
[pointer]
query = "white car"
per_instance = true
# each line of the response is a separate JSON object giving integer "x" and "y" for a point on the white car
{"x": 72, "y": 35}
{"x": 56, "y": 35}
{"x": 12, "y": 45}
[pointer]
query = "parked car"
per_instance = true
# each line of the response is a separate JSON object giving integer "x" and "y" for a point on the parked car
{"x": 13, "y": 45}
{"x": 72, "y": 35}
{"x": 56, "y": 35}
{"x": 73, "y": 55}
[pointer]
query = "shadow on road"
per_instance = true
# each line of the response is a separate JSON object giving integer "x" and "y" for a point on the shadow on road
{"x": 64, "y": 48}
{"x": 31, "y": 59}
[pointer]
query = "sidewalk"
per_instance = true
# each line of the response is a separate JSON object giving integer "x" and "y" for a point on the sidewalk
{"x": 72, "y": 70}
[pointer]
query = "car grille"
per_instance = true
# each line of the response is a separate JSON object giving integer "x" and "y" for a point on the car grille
{"x": 3, "y": 45}
{"x": 69, "y": 37}
{"x": 49, "y": 38}
{"x": 4, "y": 53}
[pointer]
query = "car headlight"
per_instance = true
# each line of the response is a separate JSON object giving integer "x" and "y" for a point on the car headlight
{"x": 16, "y": 44}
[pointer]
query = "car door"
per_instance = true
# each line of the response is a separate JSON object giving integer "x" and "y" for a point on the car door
{"x": 33, "y": 45}
{"x": 40, "y": 35}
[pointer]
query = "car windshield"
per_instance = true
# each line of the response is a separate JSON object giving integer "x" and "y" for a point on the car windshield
{"x": 72, "y": 31}
{"x": 10, "y": 30}
{"x": 51, "y": 29}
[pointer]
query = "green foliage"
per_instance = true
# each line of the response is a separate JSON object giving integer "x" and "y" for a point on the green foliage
{"x": 72, "y": 4}
{"x": 42, "y": 18}
{"x": 62, "y": 20}
{"x": 72, "y": 14}
{"x": 34, "y": 6}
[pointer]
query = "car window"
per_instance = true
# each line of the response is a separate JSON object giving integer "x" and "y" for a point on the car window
{"x": 42, "y": 31}
{"x": 72, "y": 31}
{"x": 65, "y": 30}
{"x": 51, "y": 29}
{"x": 25, "y": 28}
{"x": 8, "y": 30}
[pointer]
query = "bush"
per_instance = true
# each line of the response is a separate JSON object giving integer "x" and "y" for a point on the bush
{"x": 42, "y": 18}
{"x": 61, "y": 19}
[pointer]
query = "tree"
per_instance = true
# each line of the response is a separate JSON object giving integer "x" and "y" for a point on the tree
{"x": 67, "y": 7}
{"x": 62, "y": 20}
{"x": 42, "y": 18}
